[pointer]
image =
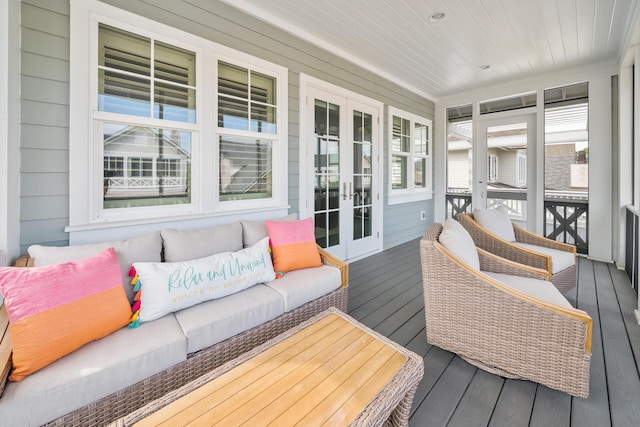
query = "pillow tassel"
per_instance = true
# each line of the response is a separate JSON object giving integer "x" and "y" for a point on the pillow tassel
{"x": 135, "y": 308}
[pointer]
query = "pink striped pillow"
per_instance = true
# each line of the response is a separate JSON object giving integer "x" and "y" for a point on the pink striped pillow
{"x": 293, "y": 245}
{"x": 56, "y": 309}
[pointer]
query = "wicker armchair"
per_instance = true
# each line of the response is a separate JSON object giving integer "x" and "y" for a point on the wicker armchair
{"x": 498, "y": 328}
{"x": 564, "y": 280}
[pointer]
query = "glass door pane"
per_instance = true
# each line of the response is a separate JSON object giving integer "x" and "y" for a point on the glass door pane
{"x": 362, "y": 175}
{"x": 327, "y": 173}
{"x": 507, "y": 169}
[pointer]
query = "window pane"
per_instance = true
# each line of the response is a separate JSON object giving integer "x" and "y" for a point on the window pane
{"x": 236, "y": 110}
{"x": 420, "y": 141}
{"x": 174, "y": 103}
{"x": 401, "y": 135}
{"x": 263, "y": 118}
{"x": 125, "y": 77}
{"x": 399, "y": 172}
{"x": 123, "y": 51}
{"x": 145, "y": 166}
{"x": 245, "y": 168}
{"x": 124, "y": 94}
{"x": 263, "y": 88}
{"x": 321, "y": 118}
{"x": 233, "y": 81}
{"x": 420, "y": 166}
{"x": 233, "y": 113}
{"x": 357, "y": 126}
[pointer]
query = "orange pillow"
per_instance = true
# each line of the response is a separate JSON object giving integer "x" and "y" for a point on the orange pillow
{"x": 56, "y": 309}
{"x": 293, "y": 245}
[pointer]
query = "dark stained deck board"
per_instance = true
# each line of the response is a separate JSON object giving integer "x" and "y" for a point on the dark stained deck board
{"x": 514, "y": 405}
{"x": 385, "y": 293}
{"x": 478, "y": 401}
{"x": 622, "y": 379}
{"x": 594, "y": 410}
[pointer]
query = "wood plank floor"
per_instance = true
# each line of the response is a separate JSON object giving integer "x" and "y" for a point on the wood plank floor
{"x": 385, "y": 293}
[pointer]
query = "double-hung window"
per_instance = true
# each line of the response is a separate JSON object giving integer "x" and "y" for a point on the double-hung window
{"x": 410, "y": 157}
{"x": 146, "y": 119}
{"x": 247, "y": 132}
{"x": 169, "y": 124}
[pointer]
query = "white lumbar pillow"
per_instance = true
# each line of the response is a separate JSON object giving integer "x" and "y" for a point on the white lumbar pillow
{"x": 167, "y": 287}
{"x": 457, "y": 240}
{"x": 497, "y": 222}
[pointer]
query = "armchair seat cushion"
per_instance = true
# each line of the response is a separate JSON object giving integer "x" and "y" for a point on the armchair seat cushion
{"x": 540, "y": 289}
{"x": 560, "y": 260}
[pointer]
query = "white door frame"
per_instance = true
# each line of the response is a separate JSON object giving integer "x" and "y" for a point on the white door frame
{"x": 306, "y": 202}
{"x": 479, "y": 187}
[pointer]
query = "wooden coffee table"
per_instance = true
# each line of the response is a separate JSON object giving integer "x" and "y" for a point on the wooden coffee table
{"x": 330, "y": 370}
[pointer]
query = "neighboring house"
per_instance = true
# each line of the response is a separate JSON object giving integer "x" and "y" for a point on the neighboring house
{"x": 144, "y": 163}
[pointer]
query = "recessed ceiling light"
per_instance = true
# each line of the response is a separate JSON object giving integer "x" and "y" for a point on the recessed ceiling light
{"x": 438, "y": 17}
{"x": 483, "y": 67}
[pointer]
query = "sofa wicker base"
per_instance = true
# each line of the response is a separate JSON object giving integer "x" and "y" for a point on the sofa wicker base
{"x": 127, "y": 400}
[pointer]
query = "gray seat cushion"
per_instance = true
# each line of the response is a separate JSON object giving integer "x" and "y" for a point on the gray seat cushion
{"x": 214, "y": 321}
{"x": 298, "y": 287}
{"x": 94, "y": 371}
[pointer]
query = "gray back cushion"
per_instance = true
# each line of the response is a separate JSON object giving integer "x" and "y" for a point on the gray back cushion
{"x": 184, "y": 245}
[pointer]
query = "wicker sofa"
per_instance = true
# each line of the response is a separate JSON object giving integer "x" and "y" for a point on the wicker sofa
{"x": 503, "y": 329}
{"x": 529, "y": 249}
{"x": 87, "y": 388}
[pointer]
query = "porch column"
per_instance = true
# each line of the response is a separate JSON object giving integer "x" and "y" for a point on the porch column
{"x": 9, "y": 131}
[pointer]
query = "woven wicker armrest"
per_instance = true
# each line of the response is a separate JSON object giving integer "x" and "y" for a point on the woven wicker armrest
{"x": 5, "y": 347}
{"x": 329, "y": 259}
{"x": 490, "y": 242}
{"x": 496, "y": 264}
{"x": 525, "y": 236}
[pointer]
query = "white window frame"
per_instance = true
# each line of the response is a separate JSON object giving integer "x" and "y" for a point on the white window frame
{"x": 86, "y": 149}
{"x": 411, "y": 193}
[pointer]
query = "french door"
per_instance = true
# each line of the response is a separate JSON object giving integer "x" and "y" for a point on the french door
{"x": 505, "y": 169}
{"x": 342, "y": 141}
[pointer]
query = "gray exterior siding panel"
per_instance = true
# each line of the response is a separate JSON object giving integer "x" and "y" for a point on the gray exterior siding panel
{"x": 45, "y": 67}
{"x": 44, "y": 184}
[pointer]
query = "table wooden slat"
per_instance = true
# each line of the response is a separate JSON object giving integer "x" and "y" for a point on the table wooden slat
{"x": 324, "y": 374}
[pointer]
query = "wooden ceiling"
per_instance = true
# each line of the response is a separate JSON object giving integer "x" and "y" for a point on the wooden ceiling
{"x": 516, "y": 38}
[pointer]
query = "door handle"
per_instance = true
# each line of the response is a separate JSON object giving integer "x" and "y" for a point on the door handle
{"x": 344, "y": 191}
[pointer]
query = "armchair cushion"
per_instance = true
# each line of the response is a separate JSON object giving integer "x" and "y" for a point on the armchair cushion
{"x": 496, "y": 222}
{"x": 560, "y": 260}
{"x": 457, "y": 240}
{"x": 540, "y": 289}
